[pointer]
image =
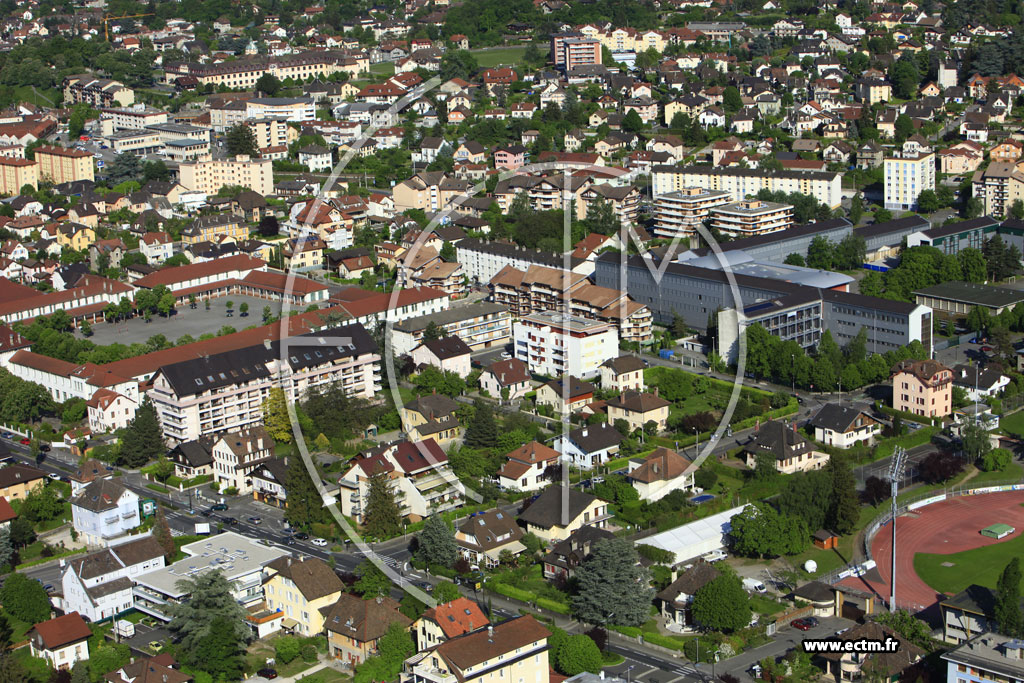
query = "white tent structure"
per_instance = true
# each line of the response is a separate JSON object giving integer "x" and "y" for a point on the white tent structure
{"x": 696, "y": 538}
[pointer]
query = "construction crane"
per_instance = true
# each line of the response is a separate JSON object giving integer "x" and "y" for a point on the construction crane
{"x": 107, "y": 20}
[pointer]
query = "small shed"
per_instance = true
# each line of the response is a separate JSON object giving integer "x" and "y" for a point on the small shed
{"x": 826, "y": 540}
{"x": 999, "y": 530}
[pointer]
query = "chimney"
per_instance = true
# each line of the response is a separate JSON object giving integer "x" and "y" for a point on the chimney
{"x": 655, "y": 391}
{"x": 601, "y": 674}
{"x": 490, "y": 634}
{"x": 585, "y": 432}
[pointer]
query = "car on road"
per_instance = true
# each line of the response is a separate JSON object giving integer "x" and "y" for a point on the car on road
{"x": 7, "y": 435}
{"x": 255, "y": 520}
{"x": 25, "y": 441}
{"x": 986, "y": 349}
{"x": 425, "y": 586}
{"x": 318, "y": 542}
{"x": 715, "y": 556}
{"x": 302, "y": 536}
{"x": 54, "y": 476}
{"x": 205, "y": 513}
{"x": 805, "y": 624}
{"x": 267, "y": 673}
{"x": 219, "y": 507}
{"x": 48, "y": 587}
{"x": 230, "y": 521}
{"x": 44, "y": 447}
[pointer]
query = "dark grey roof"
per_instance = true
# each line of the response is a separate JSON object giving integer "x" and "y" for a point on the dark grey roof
{"x": 962, "y": 226}
{"x": 451, "y": 315}
{"x": 101, "y": 494}
{"x": 448, "y": 347}
{"x": 504, "y": 249}
{"x": 974, "y": 598}
{"x": 546, "y": 511}
{"x": 899, "y": 225}
{"x": 576, "y": 386}
{"x": 595, "y": 437}
{"x": 815, "y": 591}
{"x": 194, "y": 453}
{"x": 974, "y": 293}
{"x": 837, "y": 418}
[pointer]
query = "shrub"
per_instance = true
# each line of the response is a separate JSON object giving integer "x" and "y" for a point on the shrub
{"x": 286, "y": 648}
{"x": 309, "y": 654}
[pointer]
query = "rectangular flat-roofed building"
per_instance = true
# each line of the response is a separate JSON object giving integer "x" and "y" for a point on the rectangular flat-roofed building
{"x": 958, "y": 298}
{"x": 751, "y": 217}
{"x": 742, "y": 183}
{"x": 680, "y": 212}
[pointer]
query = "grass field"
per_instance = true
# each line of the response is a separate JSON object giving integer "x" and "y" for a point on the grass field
{"x": 503, "y": 56}
{"x": 1013, "y": 423}
{"x": 383, "y": 69}
{"x": 980, "y": 565}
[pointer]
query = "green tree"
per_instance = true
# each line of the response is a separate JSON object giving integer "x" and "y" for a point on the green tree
{"x": 458, "y": 64}
{"x": 210, "y": 623}
{"x": 42, "y": 505}
{"x": 383, "y": 516}
{"x": 445, "y": 592}
{"x": 162, "y": 534}
{"x": 25, "y": 598}
{"x": 908, "y": 626}
{"x": 631, "y": 122}
{"x": 436, "y": 543}
{"x": 972, "y": 263}
{"x": 577, "y": 654}
{"x": 143, "y": 439}
{"x": 275, "y": 416}
{"x": 611, "y": 581}
{"x": 372, "y": 581}
{"x": 7, "y": 554}
{"x": 760, "y": 531}
{"x": 241, "y": 140}
{"x": 844, "y": 508}
{"x": 163, "y": 469}
{"x": 904, "y": 127}
{"x": 243, "y": 309}
{"x": 448, "y": 252}
{"x": 731, "y": 100}
{"x": 268, "y": 84}
{"x": 856, "y": 209}
{"x": 1007, "y": 608}
{"x": 927, "y": 201}
{"x": 722, "y": 604}
{"x": 975, "y": 441}
{"x": 995, "y": 459}
{"x": 432, "y": 332}
{"x": 305, "y": 504}
{"x": 286, "y": 648}
{"x": 482, "y": 431}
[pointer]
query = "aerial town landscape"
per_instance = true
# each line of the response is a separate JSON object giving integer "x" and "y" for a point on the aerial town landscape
{"x": 511, "y": 341}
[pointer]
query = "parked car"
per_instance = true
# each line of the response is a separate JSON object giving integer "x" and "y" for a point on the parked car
{"x": 715, "y": 556}
{"x": 44, "y": 447}
{"x": 230, "y": 521}
{"x": 267, "y": 673}
{"x": 219, "y": 507}
{"x": 805, "y": 624}
{"x": 25, "y": 441}
{"x": 302, "y": 536}
{"x": 319, "y": 542}
{"x": 255, "y": 520}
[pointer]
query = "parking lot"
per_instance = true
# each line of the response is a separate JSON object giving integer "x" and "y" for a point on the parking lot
{"x": 185, "y": 320}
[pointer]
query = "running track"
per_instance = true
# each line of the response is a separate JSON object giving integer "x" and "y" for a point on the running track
{"x": 948, "y": 527}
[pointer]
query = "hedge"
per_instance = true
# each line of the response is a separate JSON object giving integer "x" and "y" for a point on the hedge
{"x": 904, "y": 415}
{"x": 511, "y": 591}
{"x": 553, "y": 605}
{"x": 919, "y": 437}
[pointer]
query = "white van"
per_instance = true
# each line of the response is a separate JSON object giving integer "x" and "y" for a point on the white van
{"x": 754, "y": 586}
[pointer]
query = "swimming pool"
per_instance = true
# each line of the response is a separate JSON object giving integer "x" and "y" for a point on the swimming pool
{"x": 702, "y": 498}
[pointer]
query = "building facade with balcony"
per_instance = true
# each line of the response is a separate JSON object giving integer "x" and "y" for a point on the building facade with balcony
{"x": 751, "y": 217}
{"x": 104, "y": 510}
{"x": 678, "y": 213}
{"x": 552, "y": 344}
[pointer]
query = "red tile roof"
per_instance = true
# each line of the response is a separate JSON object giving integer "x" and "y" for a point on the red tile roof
{"x": 192, "y": 271}
{"x": 459, "y": 616}
{"x": 65, "y": 630}
{"x": 7, "y": 513}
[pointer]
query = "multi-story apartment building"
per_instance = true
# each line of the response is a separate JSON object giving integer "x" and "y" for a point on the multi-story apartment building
{"x": 988, "y": 657}
{"x": 104, "y": 510}
{"x": 907, "y": 175}
{"x": 281, "y": 108}
{"x": 419, "y": 473}
{"x": 572, "y": 49}
{"x": 481, "y": 325}
{"x": 553, "y": 344}
{"x": 226, "y": 391}
{"x": 922, "y": 387}
{"x": 998, "y": 187}
{"x": 483, "y": 260}
{"x": 430, "y": 191}
{"x": 62, "y": 165}
{"x": 209, "y": 176}
{"x": 243, "y": 73}
{"x": 678, "y": 213}
{"x": 97, "y": 92}
{"x": 16, "y": 173}
{"x": 624, "y": 200}
{"x": 303, "y": 589}
{"x": 513, "y": 650}
{"x": 751, "y": 217}
{"x": 98, "y": 585}
{"x": 236, "y": 455}
{"x": 546, "y": 192}
{"x": 540, "y": 288}
{"x": 215, "y": 227}
{"x": 741, "y": 183}
{"x": 272, "y": 132}
{"x": 135, "y": 117}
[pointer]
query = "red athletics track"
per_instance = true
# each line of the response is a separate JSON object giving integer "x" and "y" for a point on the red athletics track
{"x": 948, "y": 527}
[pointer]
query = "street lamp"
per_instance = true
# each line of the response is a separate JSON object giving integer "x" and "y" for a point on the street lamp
{"x": 628, "y": 669}
{"x": 713, "y": 662}
{"x": 696, "y": 445}
{"x": 792, "y": 357}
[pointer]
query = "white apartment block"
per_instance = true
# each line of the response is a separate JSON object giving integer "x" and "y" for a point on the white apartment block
{"x": 906, "y": 177}
{"x": 554, "y": 345}
{"x": 481, "y": 325}
{"x": 482, "y": 260}
{"x": 751, "y": 217}
{"x": 286, "y": 108}
{"x": 680, "y": 212}
{"x": 209, "y": 176}
{"x": 742, "y": 183}
{"x": 135, "y": 117}
{"x": 99, "y": 585}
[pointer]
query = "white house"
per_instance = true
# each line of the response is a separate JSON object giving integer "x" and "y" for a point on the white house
{"x": 316, "y": 158}
{"x": 237, "y": 454}
{"x": 525, "y": 467}
{"x": 979, "y": 383}
{"x": 511, "y": 374}
{"x": 99, "y": 585}
{"x": 104, "y": 510}
{"x": 589, "y": 446}
{"x": 449, "y": 354}
{"x": 157, "y": 247}
{"x": 843, "y": 426}
{"x": 62, "y": 641}
{"x": 660, "y": 473}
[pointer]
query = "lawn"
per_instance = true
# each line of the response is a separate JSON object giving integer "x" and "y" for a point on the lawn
{"x": 980, "y": 565}
{"x": 766, "y": 606}
{"x": 1013, "y": 423}
{"x": 506, "y": 56}
{"x": 325, "y": 676}
{"x": 383, "y": 69}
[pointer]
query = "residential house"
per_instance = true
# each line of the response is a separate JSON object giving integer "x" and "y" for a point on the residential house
{"x": 638, "y": 409}
{"x": 88, "y": 472}
{"x": 431, "y": 417}
{"x": 17, "y": 481}
{"x": 509, "y": 375}
{"x": 565, "y": 395}
{"x": 660, "y": 473}
{"x": 301, "y": 588}
{"x": 354, "y": 626}
{"x": 237, "y": 454}
{"x": 844, "y": 426}
{"x": 157, "y": 247}
{"x": 268, "y": 482}
{"x": 62, "y": 641}
{"x": 980, "y": 383}
{"x": 485, "y": 535}
{"x": 968, "y": 613}
{"x": 104, "y": 510}
{"x": 99, "y": 585}
{"x": 448, "y": 620}
{"x": 790, "y": 450}
{"x": 526, "y": 467}
{"x": 514, "y": 649}
{"x": 158, "y": 669}
{"x": 448, "y": 354}
{"x": 565, "y": 556}
{"x": 922, "y": 387}
{"x": 192, "y": 458}
{"x": 676, "y": 600}
{"x": 891, "y": 664}
{"x": 544, "y": 516}
{"x": 589, "y": 446}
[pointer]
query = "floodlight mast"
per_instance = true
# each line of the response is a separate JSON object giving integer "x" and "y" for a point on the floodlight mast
{"x": 896, "y": 469}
